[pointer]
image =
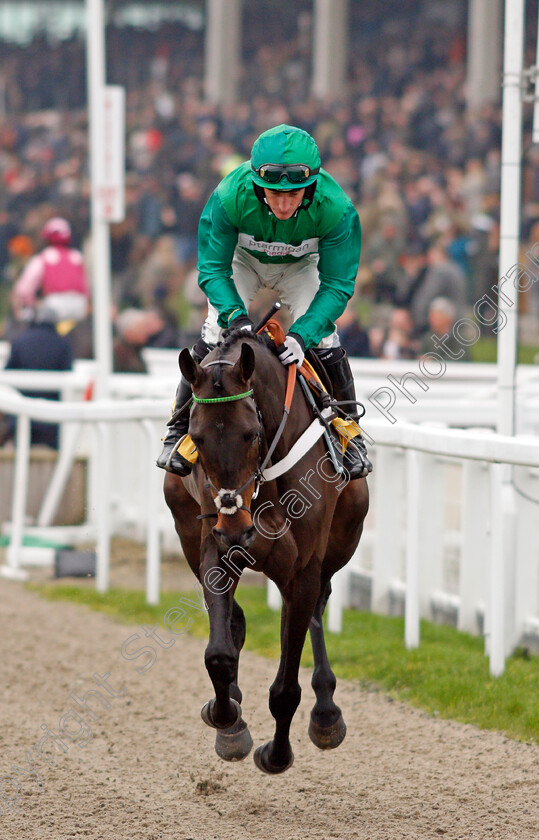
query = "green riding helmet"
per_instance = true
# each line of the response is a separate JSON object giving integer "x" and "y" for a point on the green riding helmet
{"x": 285, "y": 158}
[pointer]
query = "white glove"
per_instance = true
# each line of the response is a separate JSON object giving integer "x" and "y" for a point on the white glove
{"x": 291, "y": 351}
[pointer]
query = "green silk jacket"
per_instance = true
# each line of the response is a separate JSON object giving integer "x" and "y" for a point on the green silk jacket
{"x": 234, "y": 217}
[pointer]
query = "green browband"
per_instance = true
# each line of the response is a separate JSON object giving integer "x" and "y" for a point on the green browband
{"x": 223, "y": 399}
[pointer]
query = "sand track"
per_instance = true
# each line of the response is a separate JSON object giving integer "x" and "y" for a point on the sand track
{"x": 149, "y": 771}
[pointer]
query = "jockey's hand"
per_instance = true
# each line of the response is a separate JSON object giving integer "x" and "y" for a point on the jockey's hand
{"x": 242, "y": 322}
{"x": 292, "y": 350}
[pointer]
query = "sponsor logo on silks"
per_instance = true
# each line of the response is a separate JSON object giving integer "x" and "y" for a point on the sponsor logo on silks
{"x": 278, "y": 249}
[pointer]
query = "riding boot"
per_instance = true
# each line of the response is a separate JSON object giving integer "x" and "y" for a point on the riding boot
{"x": 337, "y": 367}
{"x": 170, "y": 458}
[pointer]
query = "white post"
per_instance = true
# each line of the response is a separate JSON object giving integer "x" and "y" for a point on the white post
{"x": 473, "y": 565}
{"x": 273, "y": 596}
{"x": 411, "y": 610}
{"x": 12, "y": 569}
{"x": 222, "y": 50}
{"x": 510, "y": 212}
{"x": 339, "y": 583}
{"x": 95, "y": 45}
{"x": 389, "y": 494}
{"x": 503, "y": 529}
{"x": 153, "y": 555}
{"x": 330, "y": 48}
{"x": 103, "y": 507}
{"x": 527, "y": 574}
{"x": 502, "y": 562}
{"x": 432, "y": 498}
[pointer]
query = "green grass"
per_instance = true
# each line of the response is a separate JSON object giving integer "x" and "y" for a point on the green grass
{"x": 447, "y": 675}
{"x": 485, "y": 350}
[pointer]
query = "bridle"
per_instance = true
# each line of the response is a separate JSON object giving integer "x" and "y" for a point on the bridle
{"x": 230, "y": 501}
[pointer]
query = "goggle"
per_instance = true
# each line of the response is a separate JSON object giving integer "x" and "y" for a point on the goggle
{"x": 296, "y": 173}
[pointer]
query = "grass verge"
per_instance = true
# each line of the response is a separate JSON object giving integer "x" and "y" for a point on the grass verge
{"x": 447, "y": 675}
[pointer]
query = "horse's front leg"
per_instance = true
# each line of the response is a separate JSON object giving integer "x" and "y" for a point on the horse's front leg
{"x": 221, "y": 657}
{"x": 299, "y": 600}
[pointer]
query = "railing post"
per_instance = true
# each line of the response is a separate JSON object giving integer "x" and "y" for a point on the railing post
{"x": 527, "y": 572}
{"x": 103, "y": 507}
{"x": 473, "y": 565}
{"x": 153, "y": 554}
{"x": 12, "y": 569}
{"x": 339, "y": 582}
{"x": 432, "y": 500}
{"x": 389, "y": 497}
{"x": 501, "y": 563}
{"x": 273, "y": 596}
{"x": 411, "y": 610}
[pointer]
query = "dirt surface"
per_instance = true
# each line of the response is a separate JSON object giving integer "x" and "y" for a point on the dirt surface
{"x": 148, "y": 770}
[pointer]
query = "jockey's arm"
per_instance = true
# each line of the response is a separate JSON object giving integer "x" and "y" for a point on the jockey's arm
{"x": 339, "y": 252}
{"x": 27, "y": 286}
{"x": 217, "y": 239}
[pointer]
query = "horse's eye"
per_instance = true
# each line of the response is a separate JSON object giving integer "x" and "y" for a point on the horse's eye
{"x": 250, "y": 437}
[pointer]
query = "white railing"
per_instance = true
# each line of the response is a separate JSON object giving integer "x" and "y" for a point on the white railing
{"x": 497, "y": 575}
{"x": 100, "y": 416}
{"x": 405, "y": 541}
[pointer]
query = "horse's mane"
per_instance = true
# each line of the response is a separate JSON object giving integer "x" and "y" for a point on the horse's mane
{"x": 232, "y": 340}
{"x": 236, "y": 336}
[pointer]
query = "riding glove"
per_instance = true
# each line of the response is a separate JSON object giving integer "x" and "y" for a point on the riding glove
{"x": 292, "y": 350}
{"x": 242, "y": 322}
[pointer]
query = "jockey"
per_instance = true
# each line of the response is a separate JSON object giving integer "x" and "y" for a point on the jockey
{"x": 56, "y": 275}
{"x": 278, "y": 221}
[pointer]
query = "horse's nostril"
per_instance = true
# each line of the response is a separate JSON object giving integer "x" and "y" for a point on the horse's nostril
{"x": 228, "y": 540}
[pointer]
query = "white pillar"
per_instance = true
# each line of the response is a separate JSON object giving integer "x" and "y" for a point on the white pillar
{"x": 223, "y": 25}
{"x": 330, "y": 48}
{"x": 484, "y": 78}
{"x": 95, "y": 47}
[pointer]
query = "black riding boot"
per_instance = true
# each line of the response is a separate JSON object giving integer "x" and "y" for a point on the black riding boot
{"x": 337, "y": 367}
{"x": 170, "y": 459}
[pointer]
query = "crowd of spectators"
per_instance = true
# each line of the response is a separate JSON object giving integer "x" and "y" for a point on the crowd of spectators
{"x": 421, "y": 168}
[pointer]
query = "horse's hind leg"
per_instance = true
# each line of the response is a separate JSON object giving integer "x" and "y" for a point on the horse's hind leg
{"x": 327, "y": 727}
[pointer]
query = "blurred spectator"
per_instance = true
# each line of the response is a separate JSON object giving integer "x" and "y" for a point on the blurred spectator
{"x": 39, "y": 347}
{"x": 56, "y": 275}
{"x": 382, "y": 253}
{"x": 443, "y": 278}
{"x": 398, "y": 343}
{"x": 400, "y": 140}
{"x": 134, "y": 327}
{"x": 354, "y": 338}
{"x": 440, "y": 337}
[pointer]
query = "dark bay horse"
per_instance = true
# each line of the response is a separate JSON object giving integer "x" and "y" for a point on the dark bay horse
{"x": 298, "y": 530}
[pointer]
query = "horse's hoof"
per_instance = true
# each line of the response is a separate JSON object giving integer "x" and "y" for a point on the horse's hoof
{"x": 327, "y": 737}
{"x": 206, "y": 713}
{"x": 235, "y": 743}
{"x": 263, "y": 762}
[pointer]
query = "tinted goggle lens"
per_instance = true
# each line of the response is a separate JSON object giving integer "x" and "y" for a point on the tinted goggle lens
{"x": 296, "y": 173}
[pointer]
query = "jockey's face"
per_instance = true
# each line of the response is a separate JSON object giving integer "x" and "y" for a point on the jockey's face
{"x": 284, "y": 203}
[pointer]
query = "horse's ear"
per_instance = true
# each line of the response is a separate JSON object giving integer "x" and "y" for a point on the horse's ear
{"x": 246, "y": 362}
{"x": 188, "y": 366}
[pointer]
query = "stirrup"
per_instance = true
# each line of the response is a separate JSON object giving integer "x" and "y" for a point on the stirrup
{"x": 356, "y": 460}
{"x": 174, "y": 462}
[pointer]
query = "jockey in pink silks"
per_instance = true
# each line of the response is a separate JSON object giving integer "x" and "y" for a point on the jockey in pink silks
{"x": 55, "y": 276}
